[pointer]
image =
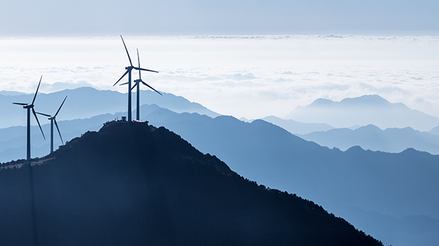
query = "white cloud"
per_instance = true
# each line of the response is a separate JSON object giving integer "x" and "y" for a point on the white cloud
{"x": 244, "y": 76}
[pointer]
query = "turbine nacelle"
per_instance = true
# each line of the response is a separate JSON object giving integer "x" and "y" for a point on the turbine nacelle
{"x": 25, "y": 105}
{"x": 49, "y": 117}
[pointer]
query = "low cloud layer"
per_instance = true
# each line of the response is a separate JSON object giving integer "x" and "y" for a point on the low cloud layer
{"x": 243, "y": 76}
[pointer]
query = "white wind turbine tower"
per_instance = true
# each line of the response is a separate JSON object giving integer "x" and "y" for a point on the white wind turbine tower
{"x": 137, "y": 83}
{"x": 30, "y": 107}
{"x": 53, "y": 120}
{"x": 129, "y": 69}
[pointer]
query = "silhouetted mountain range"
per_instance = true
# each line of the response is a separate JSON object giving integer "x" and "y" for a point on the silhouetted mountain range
{"x": 362, "y": 111}
{"x": 11, "y": 93}
{"x": 87, "y": 102}
{"x": 13, "y": 139}
{"x": 390, "y": 196}
{"x": 134, "y": 184}
{"x": 392, "y": 140}
{"x": 354, "y": 184}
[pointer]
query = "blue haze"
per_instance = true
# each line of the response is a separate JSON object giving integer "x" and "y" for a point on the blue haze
{"x": 362, "y": 111}
{"x": 390, "y": 196}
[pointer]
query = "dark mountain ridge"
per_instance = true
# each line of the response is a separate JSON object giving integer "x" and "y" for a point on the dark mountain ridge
{"x": 355, "y": 184}
{"x": 351, "y": 183}
{"x": 134, "y": 184}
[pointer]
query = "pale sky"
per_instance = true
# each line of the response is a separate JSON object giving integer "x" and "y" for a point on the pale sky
{"x": 242, "y": 58}
{"x": 226, "y": 17}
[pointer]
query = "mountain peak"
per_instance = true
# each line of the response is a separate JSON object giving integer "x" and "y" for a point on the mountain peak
{"x": 367, "y": 100}
{"x": 322, "y": 102}
{"x": 132, "y": 183}
{"x": 139, "y": 140}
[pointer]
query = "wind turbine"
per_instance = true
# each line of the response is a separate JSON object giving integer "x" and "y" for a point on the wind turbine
{"x": 137, "y": 83}
{"x": 129, "y": 69}
{"x": 53, "y": 120}
{"x": 30, "y": 107}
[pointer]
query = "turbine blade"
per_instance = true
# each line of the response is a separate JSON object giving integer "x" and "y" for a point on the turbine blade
{"x": 152, "y": 88}
{"x": 43, "y": 114}
{"x": 35, "y": 114}
{"x": 60, "y": 107}
{"x": 121, "y": 77}
{"x": 138, "y": 59}
{"x": 129, "y": 58}
{"x": 132, "y": 88}
{"x": 22, "y": 104}
{"x": 59, "y": 132}
{"x": 144, "y": 69}
{"x": 124, "y": 83}
{"x": 35, "y": 96}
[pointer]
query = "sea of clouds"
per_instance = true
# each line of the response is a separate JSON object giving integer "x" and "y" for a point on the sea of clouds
{"x": 244, "y": 76}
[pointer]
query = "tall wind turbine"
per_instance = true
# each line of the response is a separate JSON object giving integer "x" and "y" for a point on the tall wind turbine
{"x": 53, "y": 120}
{"x": 137, "y": 83}
{"x": 30, "y": 107}
{"x": 129, "y": 69}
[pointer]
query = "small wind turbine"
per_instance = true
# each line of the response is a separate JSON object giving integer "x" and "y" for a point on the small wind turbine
{"x": 30, "y": 107}
{"x": 137, "y": 83}
{"x": 53, "y": 120}
{"x": 129, "y": 69}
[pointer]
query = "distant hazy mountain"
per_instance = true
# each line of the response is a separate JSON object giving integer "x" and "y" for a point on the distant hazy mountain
{"x": 392, "y": 140}
{"x": 434, "y": 131}
{"x": 364, "y": 110}
{"x": 355, "y": 184}
{"x": 296, "y": 127}
{"x": 11, "y": 93}
{"x": 375, "y": 191}
{"x": 133, "y": 184}
{"x": 87, "y": 102}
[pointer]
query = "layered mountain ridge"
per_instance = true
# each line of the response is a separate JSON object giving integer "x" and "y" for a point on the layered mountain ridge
{"x": 392, "y": 140}
{"x": 391, "y": 196}
{"x": 87, "y": 102}
{"x": 362, "y": 111}
{"x": 131, "y": 184}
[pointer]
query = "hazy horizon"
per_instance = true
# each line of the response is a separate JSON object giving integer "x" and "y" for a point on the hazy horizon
{"x": 249, "y": 76}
